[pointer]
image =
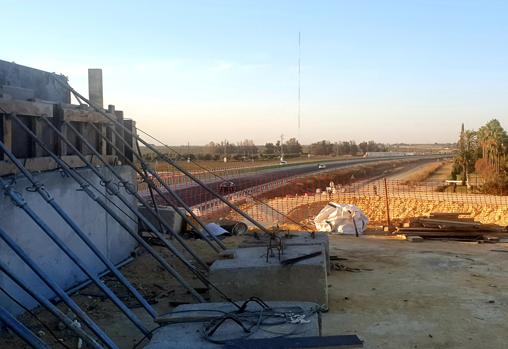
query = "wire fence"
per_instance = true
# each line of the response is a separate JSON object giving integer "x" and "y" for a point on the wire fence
{"x": 286, "y": 198}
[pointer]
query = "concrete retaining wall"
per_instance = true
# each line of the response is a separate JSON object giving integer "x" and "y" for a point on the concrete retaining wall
{"x": 22, "y": 82}
{"x": 107, "y": 234}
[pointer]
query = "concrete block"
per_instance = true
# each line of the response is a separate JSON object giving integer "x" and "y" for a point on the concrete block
{"x": 249, "y": 274}
{"x": 189, "y": 335}
{"x": 293, "y": 239}
{"x": 168, "y": 214}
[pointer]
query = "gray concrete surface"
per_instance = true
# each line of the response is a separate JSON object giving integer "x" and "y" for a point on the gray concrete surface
{"x": 292, "y": 239}
{"x": 22, "y": 82}
{"x": 95, "y": 93}
{"x": 248, "y": 274}
{"x": 426, "y": 295}
{"x": 189, "y": 335}
{"x": 103, "y": 230}
{"x": 168, "y": 214}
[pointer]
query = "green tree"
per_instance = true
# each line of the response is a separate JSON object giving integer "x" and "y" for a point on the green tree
{"x": 467, "y": 155}
{"x": 494, "y": 144}
{"x": 323, "y": 147}
{"x": 293, "y": 147}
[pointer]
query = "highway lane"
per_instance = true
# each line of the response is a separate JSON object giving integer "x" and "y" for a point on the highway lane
{"x": 194, "y": 194}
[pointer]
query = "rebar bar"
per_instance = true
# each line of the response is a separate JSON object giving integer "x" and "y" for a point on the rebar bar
{"x": 19, "y": 201}
{"x": 53, "y": 285}
{"x": 39, "y": 188}
{"x": 85, "y": 187}
{"x": 46, "y": 303}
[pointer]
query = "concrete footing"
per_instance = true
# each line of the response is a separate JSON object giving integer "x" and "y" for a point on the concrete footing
{"x": 250, "y": 274}
{"x": 179, "y": 334}
{"x": 168, "y": 214}
{"x": 293, "y": 239}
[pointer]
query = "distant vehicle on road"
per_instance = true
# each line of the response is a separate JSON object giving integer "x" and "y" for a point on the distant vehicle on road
{"x": 227, "y": 187}
{"x": 283, "y": 162}
{"x": 320, "y": 166}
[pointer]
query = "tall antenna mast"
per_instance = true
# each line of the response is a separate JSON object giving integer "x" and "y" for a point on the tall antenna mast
{"x": 299, "y": 95}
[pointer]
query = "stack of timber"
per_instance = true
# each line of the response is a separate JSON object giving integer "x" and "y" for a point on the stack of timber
{"x": 440, "y": 225}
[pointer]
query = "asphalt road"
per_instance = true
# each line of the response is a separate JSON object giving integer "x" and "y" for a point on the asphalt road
{"x": 195, "y": 194}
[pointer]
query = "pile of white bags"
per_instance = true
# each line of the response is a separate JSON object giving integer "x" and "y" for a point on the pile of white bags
{"x": 341, "y": 219}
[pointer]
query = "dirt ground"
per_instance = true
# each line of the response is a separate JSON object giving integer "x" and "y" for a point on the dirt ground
{"x": 392, "y": 293}
{"x": 432, "y": 294}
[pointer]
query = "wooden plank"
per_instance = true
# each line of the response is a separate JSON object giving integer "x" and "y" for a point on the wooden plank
{"x": 444, "y": 233}
{"x": 38, "y": 130}
{"x": 423, "y": 229}
{"x": 103, "y": 143}
{"x": 28, "y": 108}
{"x": 83, "y": 114}
{"x": 449, "y": 214}
{"x": 448, "y": 222}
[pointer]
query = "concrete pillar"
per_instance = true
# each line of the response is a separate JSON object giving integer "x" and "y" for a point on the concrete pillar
{"x": 95, "y": 87}
{"x": 119, "y": 129}
{"x": 39, "y": 131}
{"x": 7, "y": 134}
{"x": 102, "y": 142}
{"x": 129, "y": 138}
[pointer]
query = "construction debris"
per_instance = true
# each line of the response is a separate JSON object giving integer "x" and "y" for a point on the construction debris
{"x": 450, "y": 226}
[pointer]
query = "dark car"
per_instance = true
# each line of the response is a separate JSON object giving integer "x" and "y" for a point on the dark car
{"x": 227, "y": 187}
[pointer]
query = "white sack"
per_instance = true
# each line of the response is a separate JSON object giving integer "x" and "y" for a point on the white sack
{"x": 338, "y": 218}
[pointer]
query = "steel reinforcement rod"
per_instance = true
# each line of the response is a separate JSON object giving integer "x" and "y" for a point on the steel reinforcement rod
{"x": 196, "y": 272}
{"x": 19, "y": 201}
{"x": 76, "y": 328}
{"x": 170, "y": 191}
{"x": 40, "y": 189}
{"x": 157, "y": 189}
{"x": 116, "y": 192}
{"x": 166, "y": 158}
{"x": 53, "y": 285}
{"x": 85, "y": 186}
{"x": 213, "y": 173}
{"x": 21, "y": 330}
{"x": 133, "y": 192}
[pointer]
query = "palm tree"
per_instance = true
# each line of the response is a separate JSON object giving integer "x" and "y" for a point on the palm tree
{"x": 468, "y": 144}
{"x": 494, "y": 143}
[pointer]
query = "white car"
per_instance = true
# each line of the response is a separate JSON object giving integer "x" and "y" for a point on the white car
{"x": 321, "y": 166}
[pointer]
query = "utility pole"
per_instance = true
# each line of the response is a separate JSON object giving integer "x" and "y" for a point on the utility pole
{"x": 225, "y": 150}
{"x": 188, "y": 152}
{"x": 282, "y": 148}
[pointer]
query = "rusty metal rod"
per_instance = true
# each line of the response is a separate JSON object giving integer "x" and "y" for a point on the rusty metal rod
{"x": 85, "y": 187}
{"x": 166, "y": 187}
{"x": 167, "y": 159}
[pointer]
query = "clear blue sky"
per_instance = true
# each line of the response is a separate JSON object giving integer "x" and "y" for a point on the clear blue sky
{"x": 392, "y": 71}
